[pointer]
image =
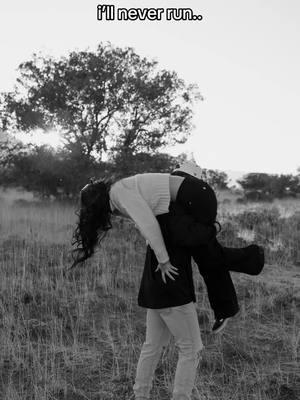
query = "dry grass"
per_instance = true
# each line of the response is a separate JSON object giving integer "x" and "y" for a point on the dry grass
{"x": 79, "y": 337}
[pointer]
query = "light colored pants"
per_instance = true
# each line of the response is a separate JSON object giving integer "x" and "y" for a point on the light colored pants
{"x": 182, "y": 323}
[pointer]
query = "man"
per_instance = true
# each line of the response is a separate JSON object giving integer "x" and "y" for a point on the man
{"x": 170, "y": 312}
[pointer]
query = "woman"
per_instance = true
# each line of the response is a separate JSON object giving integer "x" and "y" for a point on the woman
{"x": 142, "y": 197}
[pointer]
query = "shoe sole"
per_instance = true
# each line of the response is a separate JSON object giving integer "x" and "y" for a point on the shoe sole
{"x": 221, "y": 327}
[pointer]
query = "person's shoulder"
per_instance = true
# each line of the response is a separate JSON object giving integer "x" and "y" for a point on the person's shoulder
{"x": 153, "y": 173}
{"x": 151, "y": 176}
{"x": 115, "y": 187}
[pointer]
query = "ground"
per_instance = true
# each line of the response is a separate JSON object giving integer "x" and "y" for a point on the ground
{"x": 79, "y": 336}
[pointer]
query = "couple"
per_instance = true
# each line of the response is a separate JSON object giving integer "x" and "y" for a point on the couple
{"x": 186, "y": 209}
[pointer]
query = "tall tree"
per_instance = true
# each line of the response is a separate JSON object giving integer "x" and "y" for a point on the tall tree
{"x": 110, "y": 99}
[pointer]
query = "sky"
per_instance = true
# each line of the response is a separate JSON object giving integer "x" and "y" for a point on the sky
{"x": 244, "y": 55}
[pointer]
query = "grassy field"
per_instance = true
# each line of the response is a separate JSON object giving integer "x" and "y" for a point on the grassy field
{"x": 79, "y": 337}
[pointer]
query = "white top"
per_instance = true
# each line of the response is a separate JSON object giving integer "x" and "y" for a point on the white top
{"x": 141, "y": 197}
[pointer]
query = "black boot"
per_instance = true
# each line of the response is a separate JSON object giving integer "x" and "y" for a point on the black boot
{"x": 248, "y": 260}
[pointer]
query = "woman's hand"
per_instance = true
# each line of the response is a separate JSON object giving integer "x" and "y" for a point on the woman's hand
{"x": 166, "y": 269}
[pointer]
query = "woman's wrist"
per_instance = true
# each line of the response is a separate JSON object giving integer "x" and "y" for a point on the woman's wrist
{"x": 165, "y": 262}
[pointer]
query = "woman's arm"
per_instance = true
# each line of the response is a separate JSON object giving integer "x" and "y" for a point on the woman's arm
{"x": 131, "y": 204}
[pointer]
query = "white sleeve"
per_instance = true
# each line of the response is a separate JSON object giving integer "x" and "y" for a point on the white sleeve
{"x": 132, "y": 204}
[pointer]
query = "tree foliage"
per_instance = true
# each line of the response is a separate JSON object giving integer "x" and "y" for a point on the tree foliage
{"x": 46, "y": 172}
{"x": 130, "y": 164}
{"x": 215, "y": 178}
{"x": 110, "y": 100}
{"x": 262, "y": 186}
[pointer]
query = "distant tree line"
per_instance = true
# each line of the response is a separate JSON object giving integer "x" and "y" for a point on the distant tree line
{"x": 266, "y": 187}
{"x": 60, "y": 173}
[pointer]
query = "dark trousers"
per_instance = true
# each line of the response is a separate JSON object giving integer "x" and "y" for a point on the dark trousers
{"x": 198, "y": 201}
{"x": 220, "y": 288}
{"x": 215, "y": 262}
{"x": 184, "y": 239}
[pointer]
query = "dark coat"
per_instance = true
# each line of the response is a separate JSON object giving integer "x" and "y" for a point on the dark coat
{"x": 179, "y": 232}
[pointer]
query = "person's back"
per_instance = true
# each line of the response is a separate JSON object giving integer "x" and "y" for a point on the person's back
{"x": 157, "y": 189}
{"x": 153, "y": 292}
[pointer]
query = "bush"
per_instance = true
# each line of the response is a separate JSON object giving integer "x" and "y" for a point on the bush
{"x": 257, "y": 195}
{"x": 278, "y": 235}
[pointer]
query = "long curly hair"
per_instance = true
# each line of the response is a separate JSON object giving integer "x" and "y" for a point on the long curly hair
{"x": 94, "y": 219}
